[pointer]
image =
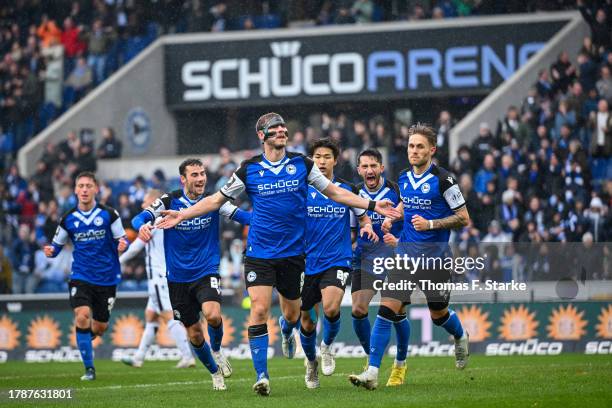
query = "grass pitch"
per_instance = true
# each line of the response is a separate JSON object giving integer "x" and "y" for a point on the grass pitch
{"x": 536, "y": 381}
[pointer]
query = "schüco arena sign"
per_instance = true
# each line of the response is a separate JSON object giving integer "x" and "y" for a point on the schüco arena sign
{"x": 348, "y": 66}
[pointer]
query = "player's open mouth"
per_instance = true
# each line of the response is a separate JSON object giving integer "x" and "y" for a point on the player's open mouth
{"x": 371, "y": 178}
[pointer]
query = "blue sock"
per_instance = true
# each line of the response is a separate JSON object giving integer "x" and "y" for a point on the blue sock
{"x": 331, "y": 327}
{"x": 216, "y": 335}
{"x": 308, "y": 341}
{"x": 83, "y": 340}
{"x": 402, "y": 332}
{"x": 205, "y": 356}
{"x": 258, "y": 341}
{"x": 451, "y": 324}
{"x": 362, "y": 328}
{"x": 286, "y": 326}
{"x": 381, "y": 333}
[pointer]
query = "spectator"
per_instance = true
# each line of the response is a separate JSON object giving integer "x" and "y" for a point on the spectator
{"x": 362, "y": 11}
{"x": 496, "y": 235}
{"x": 485, "y": 174}
{"x": 563, "y": 73}
{"x": 79, "y": 81}
{"x": 484, "y": 143}
{"x": 110, "y": 147}
{"x": 48, "y": 32}
{"x": 604, "y": 85}
{"x": 596, "y": 220}
{"x": 600, "y": 27}
{"x": 6, "y": 273}
{"x": 600, "y": 125}
{"x": 24, "y": 247}
{"x": 100, "y": 40}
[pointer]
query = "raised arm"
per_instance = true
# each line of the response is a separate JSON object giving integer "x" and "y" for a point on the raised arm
{"x": 208, "y": 204}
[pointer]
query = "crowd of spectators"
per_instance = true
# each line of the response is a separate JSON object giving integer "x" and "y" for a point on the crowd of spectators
{"x": 542, "y": 174}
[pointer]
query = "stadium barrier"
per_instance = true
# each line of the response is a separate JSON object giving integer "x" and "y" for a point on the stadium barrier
{"x": 43, "y": 331}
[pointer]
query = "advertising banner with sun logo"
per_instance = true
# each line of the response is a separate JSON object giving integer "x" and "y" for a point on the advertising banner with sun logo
{"x": 273, "y": 330}
{"x": 566, "y": 323}
{"x": 44, "y": 333}
{"x": 228, "y": 330}
{"x": 604, "y": 327}
{"x": 518, "y": 323}
{"x": 475, "y": 321}
{"x": 9, "y": 334}
{"x": 495, "y": 329}
{"x": 127, "y": 330}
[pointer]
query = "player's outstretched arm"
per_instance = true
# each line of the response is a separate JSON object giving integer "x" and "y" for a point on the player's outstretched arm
{"x": 343, "y": 196}
{"x": 388, "y": 222}
{"x": 234, "y": 213}
{"x": 137, "y": 246}
{"x": 208, "y": 204}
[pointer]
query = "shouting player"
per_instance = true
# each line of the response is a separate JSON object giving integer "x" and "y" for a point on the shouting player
{"x": 192, "y": 263}
{"x": 328, "y": 261}
{"x": 432, "y": 204}
{"x": 375, "y": 187}
{"x": 277, "y": 184}
{"x": 158, "y": 306}
{"x": 97, "y": 236}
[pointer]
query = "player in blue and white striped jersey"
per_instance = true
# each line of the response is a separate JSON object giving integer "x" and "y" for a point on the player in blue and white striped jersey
{"x": 98, "y": 236}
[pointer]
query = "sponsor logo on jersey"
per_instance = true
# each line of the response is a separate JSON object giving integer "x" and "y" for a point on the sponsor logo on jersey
{"x": 261, "y": 172}
{"x": 90, "y": 235}
{"x": 278, "y": 185}
{"x": 416, "y": 201}
{"x": 326, "y": 209}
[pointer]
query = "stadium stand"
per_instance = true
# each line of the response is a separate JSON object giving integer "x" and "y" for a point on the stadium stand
{"x": 542, "y": 173}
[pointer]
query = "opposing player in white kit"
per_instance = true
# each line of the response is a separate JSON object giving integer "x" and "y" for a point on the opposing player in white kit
{"x": 158, "y": 306}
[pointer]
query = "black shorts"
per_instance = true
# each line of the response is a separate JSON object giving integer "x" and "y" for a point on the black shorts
{"x": 187, "y": 298}
{"x": 313, "y": 284}
{"x": 436, "y": 299}
{"x": 286, "y": 274}
{"x": 100, "y": 299}
{"x": 362, "y": 280}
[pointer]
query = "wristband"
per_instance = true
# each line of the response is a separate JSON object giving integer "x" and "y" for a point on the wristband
{"x": 430, "y": 224}
{"x": 371, "y": 205}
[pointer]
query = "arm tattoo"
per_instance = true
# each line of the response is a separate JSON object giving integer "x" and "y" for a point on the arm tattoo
{"x": 454, "y": 221}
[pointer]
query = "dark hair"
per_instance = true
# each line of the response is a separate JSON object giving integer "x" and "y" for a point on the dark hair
{"x": 325, "y": 142}
{"x": 189, "y": 162}
{"x": 373, "y": 153}
{"x": 87, "y": 174}
{"x": 423, "y": 130}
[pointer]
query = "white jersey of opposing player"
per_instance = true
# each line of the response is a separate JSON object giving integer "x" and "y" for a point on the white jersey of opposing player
{"x": 155, "y": 259}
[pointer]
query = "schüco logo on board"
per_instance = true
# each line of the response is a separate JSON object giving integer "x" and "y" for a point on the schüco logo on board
{"x": 518, "y": 323}
{"x": 9, "y": 334}
{"x": 476, "y": 322}
{"x": 44, "y": 333}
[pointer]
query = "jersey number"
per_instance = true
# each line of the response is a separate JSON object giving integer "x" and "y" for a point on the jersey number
{"x": 342, "y": 277}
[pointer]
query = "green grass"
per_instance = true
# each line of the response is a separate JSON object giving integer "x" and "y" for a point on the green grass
{"x": 536, "y": 381}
